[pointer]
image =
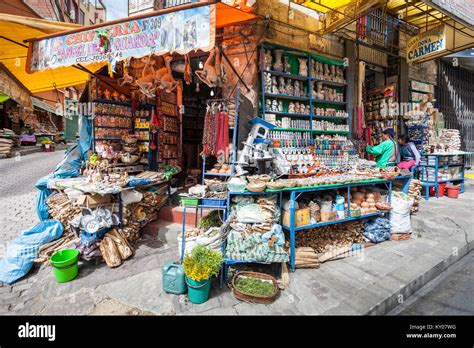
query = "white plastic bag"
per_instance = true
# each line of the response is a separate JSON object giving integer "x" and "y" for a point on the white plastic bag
{"x": 210, "y": 238}
{"x": 400, "y": 214}
{"x": 131, "y": 196}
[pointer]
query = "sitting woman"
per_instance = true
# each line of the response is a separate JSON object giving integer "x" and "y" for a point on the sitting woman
{"x": 386, "y": 153}
{"x": 409, "y": 153}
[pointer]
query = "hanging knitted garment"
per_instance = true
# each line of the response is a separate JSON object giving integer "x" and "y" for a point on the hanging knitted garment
{"x": 222, "y": 137}
{"x": 360, "y": 111}
{"x": 208, "y": 133}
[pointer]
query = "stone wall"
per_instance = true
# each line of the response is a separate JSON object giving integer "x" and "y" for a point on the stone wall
{"x": 424, "y": 72}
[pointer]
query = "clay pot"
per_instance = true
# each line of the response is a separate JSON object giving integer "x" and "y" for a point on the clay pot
{"x": 278, "y": 64}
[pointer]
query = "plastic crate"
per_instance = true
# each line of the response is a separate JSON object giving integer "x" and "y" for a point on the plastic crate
{"x": 189, "y": 201}
{"x": 215, "y": 202}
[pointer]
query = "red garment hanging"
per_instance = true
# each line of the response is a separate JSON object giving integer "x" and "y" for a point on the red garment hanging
{"x": 222, "y": 137}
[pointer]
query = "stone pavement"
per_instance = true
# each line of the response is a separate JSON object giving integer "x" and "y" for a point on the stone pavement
{"x": 442, "y": 295}
{"x": 18, "y": 176}
{"x": 373, "y": 282}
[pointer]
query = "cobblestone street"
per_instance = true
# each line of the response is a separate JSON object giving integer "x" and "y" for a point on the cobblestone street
{"x": 18, "y": 192}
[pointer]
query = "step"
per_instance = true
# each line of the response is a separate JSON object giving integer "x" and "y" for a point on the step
{"x": 175, "y": 214}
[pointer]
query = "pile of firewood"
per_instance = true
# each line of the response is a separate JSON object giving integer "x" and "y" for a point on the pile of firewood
{"x": 414, "y": 191}
{"x": 306, "y": 257}
{"x": 325, "y": 238}
{"x": 115, "y": 248}
{"x": 62, "y": 209}
{"x": 131, "y": 231}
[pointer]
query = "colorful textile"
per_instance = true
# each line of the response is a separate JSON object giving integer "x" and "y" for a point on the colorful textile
{"x": 406, "y": 164}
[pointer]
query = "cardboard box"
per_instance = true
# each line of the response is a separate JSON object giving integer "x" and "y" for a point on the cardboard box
{"x": 302, "y": 217}
{"x": 93, "y": 200}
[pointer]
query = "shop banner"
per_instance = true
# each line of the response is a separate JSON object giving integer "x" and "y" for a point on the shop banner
{"x": 180, "y": 31}
{"x": 426, "y": 44}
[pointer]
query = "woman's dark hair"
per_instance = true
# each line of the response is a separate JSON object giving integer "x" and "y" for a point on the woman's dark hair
{"x": 405, "y": 138}
{"x": 390, "y": 132}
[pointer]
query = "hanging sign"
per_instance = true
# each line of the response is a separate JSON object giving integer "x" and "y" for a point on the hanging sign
{"x": 426, "y": 44}
{"x": 180, "y": 31}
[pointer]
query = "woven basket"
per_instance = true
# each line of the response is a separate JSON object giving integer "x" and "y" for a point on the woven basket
{"x": 251, "y": 297}
{"x": 256, "y": 187}
{"x": 272, "y": 185}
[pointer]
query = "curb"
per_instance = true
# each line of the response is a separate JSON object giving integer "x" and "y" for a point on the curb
{"x": 420, "y": 280}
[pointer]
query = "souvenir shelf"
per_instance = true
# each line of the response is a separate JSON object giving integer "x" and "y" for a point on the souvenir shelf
{"x": 170, "y": 133}
{"x": 419, "y": 136}
{"x": 112, "y": 120}
{"x": 438, "y": 169}
{"x": 233, "y": 131}
{"x": 303, "y": 87}
{"x": 419, "y": 89}
{"x": 379, "y": 117}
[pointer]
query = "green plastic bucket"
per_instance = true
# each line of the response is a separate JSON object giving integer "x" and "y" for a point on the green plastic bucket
{"x": 198, "y": 292}
{"x": 64, "y": 264}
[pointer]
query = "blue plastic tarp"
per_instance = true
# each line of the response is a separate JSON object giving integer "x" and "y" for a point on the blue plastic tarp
{"x": 22, "y": 251}
{"x": 69, "y": 167}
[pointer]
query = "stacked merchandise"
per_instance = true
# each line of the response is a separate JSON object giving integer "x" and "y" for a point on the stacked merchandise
{"x": 6, "y": 145}
{"x": 414, "y": 191}
{"x": 254, "y": 234}
{"x": 451, "y": 139}
{"x": 379, "y": 111}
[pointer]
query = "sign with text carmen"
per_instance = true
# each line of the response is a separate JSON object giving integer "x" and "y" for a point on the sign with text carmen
{"x": 426, "y": 44}
{"x": 180, "y": 31}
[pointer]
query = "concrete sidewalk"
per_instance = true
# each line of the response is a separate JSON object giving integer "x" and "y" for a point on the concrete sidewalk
{"x": 372, "y": 283}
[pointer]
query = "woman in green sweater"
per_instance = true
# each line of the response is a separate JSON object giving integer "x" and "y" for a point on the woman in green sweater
{"x": 386, "y": 153}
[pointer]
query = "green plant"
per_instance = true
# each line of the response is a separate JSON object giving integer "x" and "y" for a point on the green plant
{"x": 254, "y": 286}
{"x": 210, "y": 220}
{"x": 202, "y": 263}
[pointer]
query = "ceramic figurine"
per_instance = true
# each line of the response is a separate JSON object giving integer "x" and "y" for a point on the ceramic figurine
{"x": 314, "y": 92}
{"x": 267, "y": 60}
{"x": 268, "y": 104}
{"x": 274, "y": 85}
{"x": 302, "y": 92}
{"x": 313, "y": 68}
{"x": 289, "y": 87}
{"x": 281, "y": 85}
{"x": 280, "y": 106}
{"x": 332, "y": 77}
{"x": 291, "y": 107}
{"x": 321, "y": 70}
{"x": 278, "y": 65}
{"x": 303, "y": 68}
{"x": 326, "y": 72}
{"x": 306, "y": 111}
{"x": 286, "y": 65}
{"x": 275, "y": 105}
{"x": 268, "y": 82}
{"x": 296, "y": 91}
